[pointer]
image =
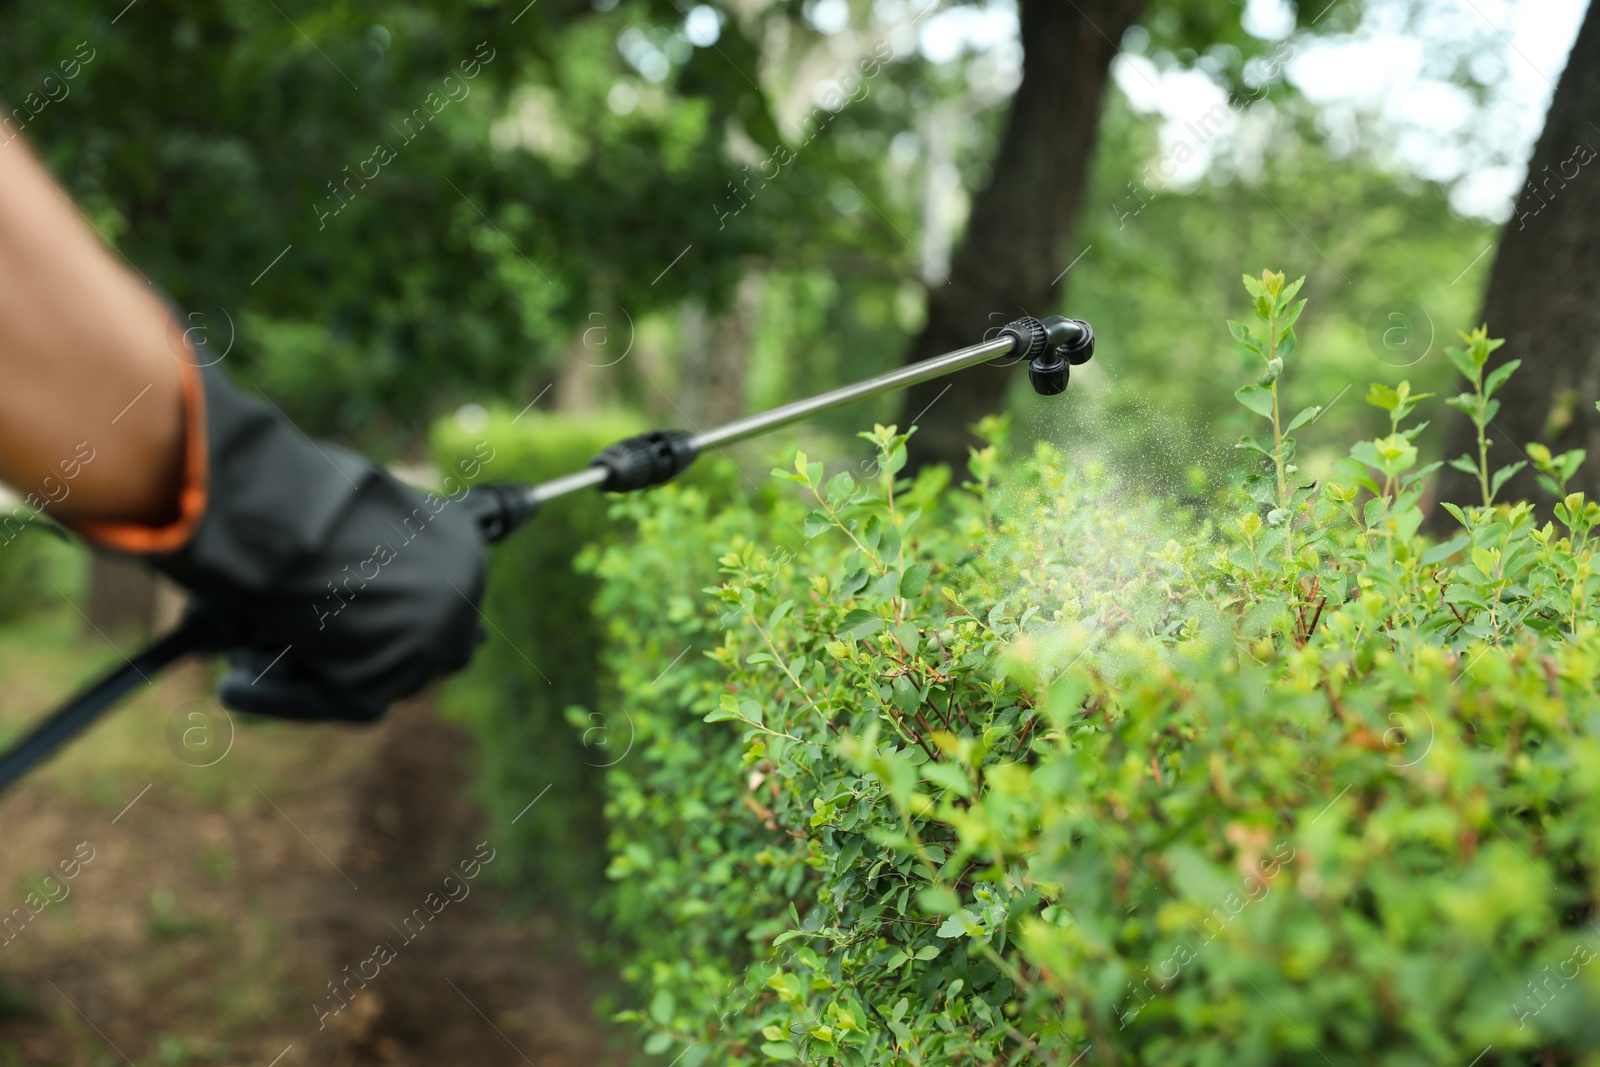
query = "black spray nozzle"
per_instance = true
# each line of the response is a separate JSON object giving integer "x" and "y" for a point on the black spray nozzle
{"x": 1052, "y": 347}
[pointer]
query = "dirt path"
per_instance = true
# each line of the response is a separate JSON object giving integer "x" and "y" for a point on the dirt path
{"x": 220, "y": 915}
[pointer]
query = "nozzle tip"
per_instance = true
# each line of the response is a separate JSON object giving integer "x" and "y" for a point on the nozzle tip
{"x": 1049, "y": 375}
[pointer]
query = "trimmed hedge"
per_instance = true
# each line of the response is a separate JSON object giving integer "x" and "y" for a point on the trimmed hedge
{"x": 1036, "y": 771}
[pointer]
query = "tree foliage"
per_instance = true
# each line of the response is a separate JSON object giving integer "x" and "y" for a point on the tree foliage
{"x": 321, "y": 186}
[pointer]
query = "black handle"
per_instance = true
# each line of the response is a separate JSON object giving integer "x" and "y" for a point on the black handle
{"x": 200, "y": 631}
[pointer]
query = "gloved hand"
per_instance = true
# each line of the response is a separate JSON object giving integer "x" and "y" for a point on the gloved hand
{"x": 346, "y": 590}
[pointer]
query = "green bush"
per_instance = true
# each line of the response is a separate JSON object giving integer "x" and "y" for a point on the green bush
{"x": 1037, "y": 771}
{"x": 540, "y": 655}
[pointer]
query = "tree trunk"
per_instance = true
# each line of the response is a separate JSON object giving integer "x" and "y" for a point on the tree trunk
{"x": 1544, "y": 296}
{"x": 1012, "y": 259}
{"x": 716, "y": 355}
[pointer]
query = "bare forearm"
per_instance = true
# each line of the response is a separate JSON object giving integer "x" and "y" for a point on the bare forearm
{"x": 88, "y": 363}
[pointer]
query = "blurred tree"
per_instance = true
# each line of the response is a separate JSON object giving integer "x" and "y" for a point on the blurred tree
{"x": 1016, "y": 251}
{"x": 367, "y": 204}
{"x": 1009, "y": 263}
{"x": 1164, "y": 273}
{"x": 1544, "y": 293}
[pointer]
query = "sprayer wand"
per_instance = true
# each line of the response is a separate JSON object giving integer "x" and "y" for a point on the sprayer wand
{"x": 1051, "y": 347}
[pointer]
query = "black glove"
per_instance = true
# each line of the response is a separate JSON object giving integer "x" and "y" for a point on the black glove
{"x": 343, "y": 589}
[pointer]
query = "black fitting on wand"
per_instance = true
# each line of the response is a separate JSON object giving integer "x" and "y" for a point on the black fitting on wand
{"x": 1029, "y": 338}
{"x": 648, "y": 460}
{"x": 1071, "y": 339}
{"x": 500, "y": 509}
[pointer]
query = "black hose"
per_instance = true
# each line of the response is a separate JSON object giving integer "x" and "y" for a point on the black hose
{"x": 195, "y": 633}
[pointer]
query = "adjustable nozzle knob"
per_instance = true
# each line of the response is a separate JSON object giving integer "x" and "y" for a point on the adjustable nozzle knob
{"x": 1049, "y": 374}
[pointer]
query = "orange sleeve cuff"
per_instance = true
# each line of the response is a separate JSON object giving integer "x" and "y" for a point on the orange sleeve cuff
{"x": 139, "y": 539}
